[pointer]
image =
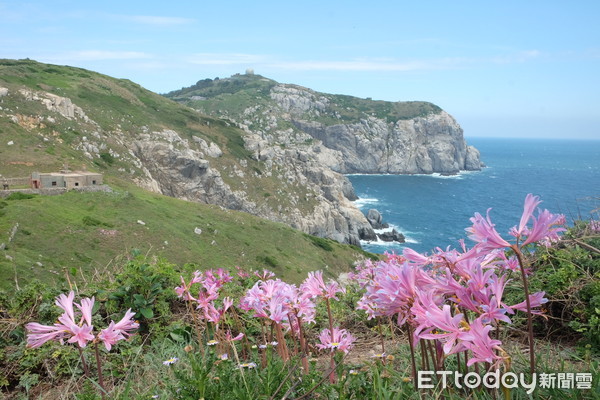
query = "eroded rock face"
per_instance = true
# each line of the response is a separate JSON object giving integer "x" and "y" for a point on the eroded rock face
{"x": 426, "y": 144}
{"x": 62, "y": 105}
{"x": 175, "y": 169}
{"x": 422, "y": 145}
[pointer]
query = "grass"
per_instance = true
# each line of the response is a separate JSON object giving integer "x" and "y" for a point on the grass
{"x": 87, "y": 231}
{"x": 122, "y": 109}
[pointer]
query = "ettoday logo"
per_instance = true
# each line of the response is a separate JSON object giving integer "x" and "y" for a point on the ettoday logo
{"x": 510, "y": 380}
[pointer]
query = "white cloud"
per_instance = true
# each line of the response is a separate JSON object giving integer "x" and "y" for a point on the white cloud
{"x": 157, "y": 20}
{"x": 518, "y": 57}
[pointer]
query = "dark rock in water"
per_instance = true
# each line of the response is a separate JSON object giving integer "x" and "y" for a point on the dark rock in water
{"x": 393, "y": 236}
{"x": 376, "y": 219}
{"x": 367, "y": 234}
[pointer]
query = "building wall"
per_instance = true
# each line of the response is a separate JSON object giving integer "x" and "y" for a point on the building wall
{"x": 70, "y": 181}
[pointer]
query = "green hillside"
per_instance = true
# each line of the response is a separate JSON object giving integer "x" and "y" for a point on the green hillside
{"x": 115, "y": 105}
{"x": 231, "y": 96}
{"x": 86, "y": 231}
{"x": 90, "y": 231}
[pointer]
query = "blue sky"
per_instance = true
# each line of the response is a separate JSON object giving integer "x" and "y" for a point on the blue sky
{"x": 504, "y": 69}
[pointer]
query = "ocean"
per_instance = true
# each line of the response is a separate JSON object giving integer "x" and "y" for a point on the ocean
{"x": 434, "y": 210}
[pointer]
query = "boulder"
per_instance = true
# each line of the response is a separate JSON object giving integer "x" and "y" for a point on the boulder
{"x": 392, "y": 236}
{"x": 376, "y": 219}
{"x": 366, "y": 233}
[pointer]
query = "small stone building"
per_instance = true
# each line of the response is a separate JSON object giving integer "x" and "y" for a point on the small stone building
{"x": 65, "y": 179}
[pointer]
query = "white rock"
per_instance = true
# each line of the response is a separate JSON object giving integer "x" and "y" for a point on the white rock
{"x": 10, "y": 143}
{"x": 139, "y": 221}
{"x": 197, "y": 231}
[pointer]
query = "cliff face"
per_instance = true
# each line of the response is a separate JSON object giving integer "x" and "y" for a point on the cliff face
{"x": 418, "y": 145}
{"x": 323, "y": 208}
{"x": 360, "y": 136}
{"x": 275, "y": 151}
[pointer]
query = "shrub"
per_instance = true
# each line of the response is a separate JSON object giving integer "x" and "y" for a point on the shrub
{"x": 20, "y": 196}
{"x": 323, "y": 243}
{"x": 147, "y": 288}
{"x": 570, "y": 276}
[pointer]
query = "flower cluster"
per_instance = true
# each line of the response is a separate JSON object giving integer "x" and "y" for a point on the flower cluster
{"x": 278, "y": 301}
{"x": 211, "y": 281}
{"x": 77, "y": 328}
{"x": 455, "y": 298}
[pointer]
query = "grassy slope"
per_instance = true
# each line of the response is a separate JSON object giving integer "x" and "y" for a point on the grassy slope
{"x": 120, "y": 107}
{"x": 53, "y": 231}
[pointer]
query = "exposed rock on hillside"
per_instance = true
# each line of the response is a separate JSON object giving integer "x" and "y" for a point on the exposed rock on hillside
{"x": 277, "y": 151}
{"x": 346, "y": 134}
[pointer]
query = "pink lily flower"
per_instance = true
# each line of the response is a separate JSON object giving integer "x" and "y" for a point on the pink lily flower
{"x": 342, "y": 340}
{"x": 485, "y": 234}
{"x": 314, "y": 286}
{"x": 442, "y": 320}
{"x": 118, "y": 331}
{"x": 535, "y": 300}
{"x": 38, "y": 334}
{"x": 477, "y": 339}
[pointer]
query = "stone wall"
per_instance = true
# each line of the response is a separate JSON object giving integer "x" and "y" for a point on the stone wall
{"x": 15, "y": 181}
{"x": 55, "y": 191}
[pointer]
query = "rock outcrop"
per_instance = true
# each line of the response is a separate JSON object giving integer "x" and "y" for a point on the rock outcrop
{"x": 315, "y": 137}
{"x": 420, "y": 145}
{"x": 174, "y": 168}
{"x": 280, "y": 156}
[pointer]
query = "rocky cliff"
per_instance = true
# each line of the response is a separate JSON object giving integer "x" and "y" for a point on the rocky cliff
{"x": 275, "y": 151}
{"x": 350, "y": 135}
{"x": 126, "y": 132}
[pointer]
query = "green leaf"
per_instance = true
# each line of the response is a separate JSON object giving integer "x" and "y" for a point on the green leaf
{"x": 147, "y": 312}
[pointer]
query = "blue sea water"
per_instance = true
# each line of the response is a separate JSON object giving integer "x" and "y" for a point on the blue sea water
{"x": 434, "y": 210}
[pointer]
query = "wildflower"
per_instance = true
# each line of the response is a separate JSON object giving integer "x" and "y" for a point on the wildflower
{"x": 265, "y": 275}
{"x": 171, "y": 361}
{"x": 248, "y": 365}
{"x": 212, "y": 342}
{"x": 477, "y": 339}
{"x": 535, "y": 300}
{"x": 485, "y": 234}
{"x": 261, "y": 346}
{"x": 274, "y": 343}
{"x": 241, "y": 273}
{"x": 448, "y": 327}
{"x": 118, "y": 331}
{"x": 229, "y": 337}
{"x": 224, "y": 356}
{"x": 341, "y": 339}
{"x": 314, "y": 286}
{"x": 353, "y": 372}
{"x": 66, "y": 327}
{"x": 379, "y": 355}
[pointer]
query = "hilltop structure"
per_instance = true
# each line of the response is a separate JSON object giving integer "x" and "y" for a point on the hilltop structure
{"x": 65, "y": 179}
